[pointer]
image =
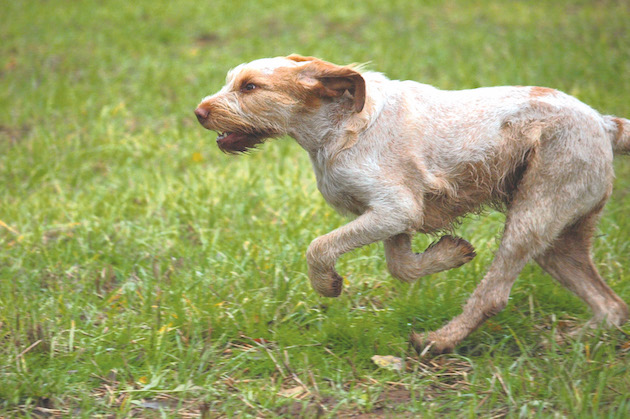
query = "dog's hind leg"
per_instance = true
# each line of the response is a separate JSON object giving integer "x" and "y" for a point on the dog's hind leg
{"x": 543, "y": 206}
{"x": 448, "y": 253}
{"x": 521, "y": 239}
{"x": 569, "y": 261}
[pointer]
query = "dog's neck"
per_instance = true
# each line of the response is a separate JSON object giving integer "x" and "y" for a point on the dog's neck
{"x": 314, "y": 132}
{"x": 323, "y": 140}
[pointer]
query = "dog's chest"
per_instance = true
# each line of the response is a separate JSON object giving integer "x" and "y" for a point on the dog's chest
{"x": 339, "y": 190}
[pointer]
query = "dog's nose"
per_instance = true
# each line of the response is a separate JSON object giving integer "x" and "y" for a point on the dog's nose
{"x": 202, "y": 113}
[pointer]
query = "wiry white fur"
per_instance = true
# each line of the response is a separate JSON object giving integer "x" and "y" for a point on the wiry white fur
{"x": 416, "y": 158}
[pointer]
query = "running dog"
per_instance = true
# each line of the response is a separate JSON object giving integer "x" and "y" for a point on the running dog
{"x": 404, "y": 157}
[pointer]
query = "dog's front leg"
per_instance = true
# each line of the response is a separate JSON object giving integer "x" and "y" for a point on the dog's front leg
{"x": 324, "y": 251}
{"x": 448, "y": 253}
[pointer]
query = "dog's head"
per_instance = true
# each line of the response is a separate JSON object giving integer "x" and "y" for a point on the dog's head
{"x": 263, "y": 98}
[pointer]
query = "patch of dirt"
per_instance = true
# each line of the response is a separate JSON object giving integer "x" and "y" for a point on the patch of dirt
{"x": 388, "y": 403}
{"x": 14, "y": 134}
{"x": 446, "y": 375}
{"x": 207, "y": 38}
{"x": 302, "y": 395}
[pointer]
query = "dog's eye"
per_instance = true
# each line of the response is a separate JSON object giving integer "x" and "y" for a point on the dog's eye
{"x": 248, "y": 87}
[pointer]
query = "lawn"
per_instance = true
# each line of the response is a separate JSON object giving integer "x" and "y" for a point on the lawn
{"x": 144, "y": 273}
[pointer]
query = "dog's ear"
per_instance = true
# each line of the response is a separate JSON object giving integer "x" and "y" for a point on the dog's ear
{"x": 330, "y": 80}
{"x": 299, "y": 58}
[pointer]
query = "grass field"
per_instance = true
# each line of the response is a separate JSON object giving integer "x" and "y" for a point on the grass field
{"x": 144, "y": 273}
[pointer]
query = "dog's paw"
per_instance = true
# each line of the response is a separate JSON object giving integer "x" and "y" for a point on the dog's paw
{"x": 329, "y": 285}
{"x": 466, "y": 250}
{"x": 429, "y": 343}
{"x": 455, "y": 251}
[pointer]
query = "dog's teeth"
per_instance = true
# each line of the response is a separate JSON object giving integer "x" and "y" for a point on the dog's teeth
{"x": 222, "y": 135}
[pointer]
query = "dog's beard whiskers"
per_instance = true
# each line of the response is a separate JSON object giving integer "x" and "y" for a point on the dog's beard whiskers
{"x": 241, "y": 144}
{"x": 228, "y": 122}
{"x": 237, "y": 138}
{"x": 240, "y": 129}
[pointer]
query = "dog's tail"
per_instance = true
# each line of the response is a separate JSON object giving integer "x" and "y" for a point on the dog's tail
{"x": 620, "y": 134}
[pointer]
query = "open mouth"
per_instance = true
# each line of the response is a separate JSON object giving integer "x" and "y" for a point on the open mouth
{"x": 234, "y": 142}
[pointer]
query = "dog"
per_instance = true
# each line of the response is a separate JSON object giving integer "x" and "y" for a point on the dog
{"x": 404, "y": 158}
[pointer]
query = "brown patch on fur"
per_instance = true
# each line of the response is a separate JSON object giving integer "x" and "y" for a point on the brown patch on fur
{"x": 249, "y": 76}
{"x": 619, "y": 123}
{"x": 541, "y": 91}
{"x": 299, "y": 58}
{"x": 287, "y": 80}
{"x": 478, "y": 185}
{"x": 332, "y": 80}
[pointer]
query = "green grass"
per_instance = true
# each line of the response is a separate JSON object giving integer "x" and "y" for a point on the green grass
{"x": 143, "y": 272}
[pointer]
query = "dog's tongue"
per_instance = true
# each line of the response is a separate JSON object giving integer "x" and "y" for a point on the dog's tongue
{"x": 229, "y": 137}
{"x": 226, "y": 138}
{"x": 234, "y": 142}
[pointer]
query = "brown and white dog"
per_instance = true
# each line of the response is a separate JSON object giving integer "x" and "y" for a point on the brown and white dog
{"x": 405, "y": 157}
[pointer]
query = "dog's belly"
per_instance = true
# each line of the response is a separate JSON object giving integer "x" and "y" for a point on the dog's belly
{"x": 442, "y": 212}
{"x": 469, "y": 188}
